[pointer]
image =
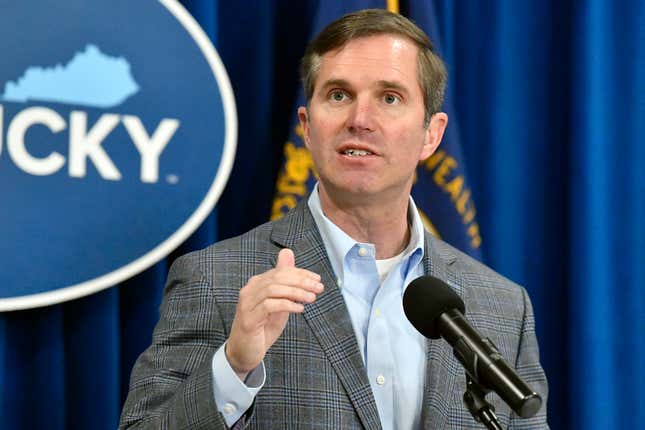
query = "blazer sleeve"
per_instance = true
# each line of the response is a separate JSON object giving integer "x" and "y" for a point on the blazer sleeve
{"x": 529, "y": 369}
{"x": 171, "y": 384}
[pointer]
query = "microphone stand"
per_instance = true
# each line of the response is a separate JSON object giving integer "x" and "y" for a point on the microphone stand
{"x": 479, "y": 408}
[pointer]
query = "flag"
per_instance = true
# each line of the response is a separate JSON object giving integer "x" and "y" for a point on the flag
{"x": 441, "y": 190}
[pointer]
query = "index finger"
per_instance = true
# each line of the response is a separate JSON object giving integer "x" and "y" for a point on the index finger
{"x": 295, "y": 277}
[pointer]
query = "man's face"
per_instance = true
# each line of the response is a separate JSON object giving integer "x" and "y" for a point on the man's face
{"x": 364, "y": 124}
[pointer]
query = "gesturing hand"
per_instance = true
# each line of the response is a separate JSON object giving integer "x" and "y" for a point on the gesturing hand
{"x": 263, "y": 309}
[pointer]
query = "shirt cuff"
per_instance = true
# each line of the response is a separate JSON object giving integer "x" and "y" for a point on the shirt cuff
{"x": 233, "y": 396}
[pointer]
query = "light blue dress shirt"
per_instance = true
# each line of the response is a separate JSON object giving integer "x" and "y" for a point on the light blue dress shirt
{"x": 392, "y": 350}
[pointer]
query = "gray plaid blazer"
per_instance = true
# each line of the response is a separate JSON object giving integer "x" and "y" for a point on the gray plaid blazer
{"x": 315, "y": 375}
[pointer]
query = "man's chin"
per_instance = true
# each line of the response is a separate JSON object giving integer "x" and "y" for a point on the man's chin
{"x": 356, "y": 192}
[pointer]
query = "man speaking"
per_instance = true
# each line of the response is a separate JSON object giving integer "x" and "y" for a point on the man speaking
{"x": 299, "y": 323}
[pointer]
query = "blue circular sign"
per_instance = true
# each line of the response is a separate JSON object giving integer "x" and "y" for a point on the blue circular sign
{"x": 117, "y": 137}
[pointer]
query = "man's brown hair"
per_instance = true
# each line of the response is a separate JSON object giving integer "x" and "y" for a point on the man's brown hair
{"x": 372, "y": 22}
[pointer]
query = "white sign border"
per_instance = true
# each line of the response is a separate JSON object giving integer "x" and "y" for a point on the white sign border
{"x": 194, "y": 221}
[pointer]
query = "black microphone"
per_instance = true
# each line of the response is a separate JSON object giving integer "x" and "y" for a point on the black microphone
{"x": 436, "y": 310}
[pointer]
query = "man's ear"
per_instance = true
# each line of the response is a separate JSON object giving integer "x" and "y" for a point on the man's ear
{"x": 303, "y": 117}
{"x": 433, "y": 134}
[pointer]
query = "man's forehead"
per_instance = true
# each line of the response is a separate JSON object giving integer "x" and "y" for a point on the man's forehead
{"x": 375, "y": 39}
{"x": 391, "y": 59}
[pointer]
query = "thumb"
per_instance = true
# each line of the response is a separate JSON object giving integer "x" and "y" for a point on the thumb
{"x": 286, "y": 258}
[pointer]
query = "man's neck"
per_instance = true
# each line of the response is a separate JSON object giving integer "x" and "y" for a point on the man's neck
{"x": 383, "y": 224}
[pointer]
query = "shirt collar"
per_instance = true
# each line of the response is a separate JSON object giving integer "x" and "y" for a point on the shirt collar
{"x": 338, "y": 243}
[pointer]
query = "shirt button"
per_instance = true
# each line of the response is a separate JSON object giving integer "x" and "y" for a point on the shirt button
{"x": 380, "y": 379}
{"x": 363, "y": 252}
{"x": 229, "y": 408}
{"x": 377, "y": 312}
{"x": 339, "y": 282}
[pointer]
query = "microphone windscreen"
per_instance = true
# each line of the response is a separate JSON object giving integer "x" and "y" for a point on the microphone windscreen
{"x": 425, "y": 299}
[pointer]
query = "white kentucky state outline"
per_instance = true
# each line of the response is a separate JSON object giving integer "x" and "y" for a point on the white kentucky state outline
{"x": 91, "y": 78}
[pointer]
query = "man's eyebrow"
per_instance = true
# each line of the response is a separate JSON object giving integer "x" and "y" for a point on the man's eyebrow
{"x": 335, "y": 83}
{"x": 393, "y": 85}
{"x": 383, "y": 84}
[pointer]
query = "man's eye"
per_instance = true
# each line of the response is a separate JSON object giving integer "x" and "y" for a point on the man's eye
{"x": 338, "y": 96}
{"x": 390, "y": 99}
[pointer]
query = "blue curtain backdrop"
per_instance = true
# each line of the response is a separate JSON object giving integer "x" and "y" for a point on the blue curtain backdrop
{"x": 550, "y": 101}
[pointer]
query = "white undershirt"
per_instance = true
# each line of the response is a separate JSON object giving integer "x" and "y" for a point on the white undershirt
{"x": 384, "y": 266}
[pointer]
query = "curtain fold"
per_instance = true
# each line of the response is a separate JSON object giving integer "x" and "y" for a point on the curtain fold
{"x": 34, "y": 372}
{"x": 92, "y": 348}
{"x": 607, "y": 311}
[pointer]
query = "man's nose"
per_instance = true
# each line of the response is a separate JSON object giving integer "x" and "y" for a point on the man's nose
{"x": 361, "y": 115}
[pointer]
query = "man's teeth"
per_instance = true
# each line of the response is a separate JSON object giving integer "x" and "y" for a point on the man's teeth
{"x": 357, "y": 152}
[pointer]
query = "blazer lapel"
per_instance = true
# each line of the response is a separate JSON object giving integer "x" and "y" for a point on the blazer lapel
{"x": 438, "y": 386}
{"x": 328, "y": 316}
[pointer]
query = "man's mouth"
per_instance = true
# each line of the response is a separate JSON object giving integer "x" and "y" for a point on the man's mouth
{"x": 356, "y": 152}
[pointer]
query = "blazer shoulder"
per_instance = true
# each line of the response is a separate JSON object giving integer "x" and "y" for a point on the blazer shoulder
{"x": 230, "y": 261}
{"x": 484, "y": 291}
{"x": 254, "y": 240}
{"x": 264, "y": 240}
{"x": 467, "y": 266}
